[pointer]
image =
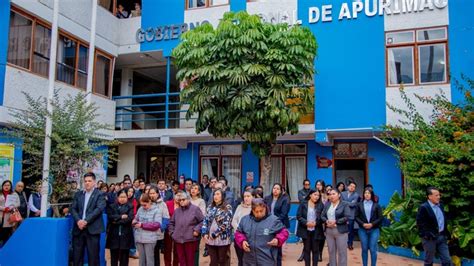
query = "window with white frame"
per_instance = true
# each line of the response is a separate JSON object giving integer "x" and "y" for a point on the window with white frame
{"x": 417, "y": 57}
{"x": 226, "y": 160}
{"x": 288, "y": 168}
{"x": 192, "y": 4}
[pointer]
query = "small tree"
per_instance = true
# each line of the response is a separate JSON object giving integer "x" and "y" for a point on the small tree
{"x": 77, "y": 138}
{"x": 247, "y": 79}
{"x": 440, "y": 153}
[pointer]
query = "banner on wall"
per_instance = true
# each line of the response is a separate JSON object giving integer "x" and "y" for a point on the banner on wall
{"x": 7, "y": 159}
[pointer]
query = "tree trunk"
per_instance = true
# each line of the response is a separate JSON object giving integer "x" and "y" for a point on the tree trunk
{"x": 266, "y": 167}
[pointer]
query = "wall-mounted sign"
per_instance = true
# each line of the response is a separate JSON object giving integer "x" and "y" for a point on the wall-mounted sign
{"x": 7, "y": 159}
{"x": 249, "y": 178}
{"x": 164, "y": 33}
{"x": 323, "y": 162}
{"x": 349, "y": 11}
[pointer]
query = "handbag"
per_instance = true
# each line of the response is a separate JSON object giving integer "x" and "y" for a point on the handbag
{"x": 15, "y": 217}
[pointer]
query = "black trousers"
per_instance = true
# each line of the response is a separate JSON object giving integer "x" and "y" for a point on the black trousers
{"x": 321, "y": 247}
{"x": 157, "y": 252}
{"x": 311, "y": 249}
{"x": 5, "y": 234}
{"x": 91, "y": 243}
{"x": 219, "y": 255}
{"x": 240, "y": 254}
{"x": 119, "y": 257}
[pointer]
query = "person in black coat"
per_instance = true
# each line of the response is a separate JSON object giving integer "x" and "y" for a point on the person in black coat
{"x": 310, "y": 226}
{"x": 279, "y": 205}
{"x": 120, "y": 231}
{"x": 86, "y": 210}
{"x": 369, "y": 217}
{"x": 336, "y": 216}
{"x": 432, "y": 225}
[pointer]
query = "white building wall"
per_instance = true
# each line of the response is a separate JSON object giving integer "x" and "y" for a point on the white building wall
{"x": 413, "y": 20}
{"x": 19, "y": 81}
{"x": 126, "y": 163}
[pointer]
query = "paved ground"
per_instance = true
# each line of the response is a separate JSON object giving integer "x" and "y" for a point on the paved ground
{"x": 291, "y": 252}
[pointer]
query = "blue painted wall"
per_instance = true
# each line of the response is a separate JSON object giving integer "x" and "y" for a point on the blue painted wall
{"x": 46, "y": 240}
{"x": 238, "y": 5}
{"x": 188, "y": 161}
{"x": 250, "y": 163}
{"x": 160, "y": 13}
{"x": 4, "y": 25}
{"x": 461, "y": 40}
{"x": 383, "y": 172}
{"x": 350, "y": 66}
{"x": 18, "y": 160}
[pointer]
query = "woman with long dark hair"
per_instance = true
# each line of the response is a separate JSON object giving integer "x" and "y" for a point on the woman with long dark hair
{"x": 120, "y": 231}
{"x": 9, "y": 201}
{"x": 242, "y": 210}
{"x": 279, "y": 205}
{"x": 336, "y": 215}
{"x": 217, "y": 229}
{"x": 369, "y": 216}
{"x": 321, "y": 187}
{"x": 310, "y": 227}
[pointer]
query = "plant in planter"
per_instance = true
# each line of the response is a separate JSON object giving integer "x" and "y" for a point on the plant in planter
{"x": 77, "y": 139}
{"x": 436, "y": 152}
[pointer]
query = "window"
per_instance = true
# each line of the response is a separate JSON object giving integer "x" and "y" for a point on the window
{"x": 191, "y": 4}
{"x": 19, "y": 40}
{"x": 29, "y": 44}
{"x": 216, "y": 160}
{"x": 417, "y": 57}
{"x": 288, "y": 168}
{"x": 42, "y": 48}
{"x": 102, "y": 73}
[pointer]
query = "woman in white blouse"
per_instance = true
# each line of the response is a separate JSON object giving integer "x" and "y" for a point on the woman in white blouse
{"x": 196, "y": 198}
{"x": 336, "y": 215}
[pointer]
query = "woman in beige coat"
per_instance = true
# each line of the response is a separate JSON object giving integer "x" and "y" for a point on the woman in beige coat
{"x": 8, "y": 202}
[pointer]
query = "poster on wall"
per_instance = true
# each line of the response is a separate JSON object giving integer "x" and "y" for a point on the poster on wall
{"x": 7, "y": 159}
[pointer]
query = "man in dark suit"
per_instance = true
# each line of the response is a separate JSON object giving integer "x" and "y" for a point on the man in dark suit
{"x": 165, "y": 194}
{"x": 352, "y": 198}
{"x": 432, "y": 225}
{"x": 87, "y": 208}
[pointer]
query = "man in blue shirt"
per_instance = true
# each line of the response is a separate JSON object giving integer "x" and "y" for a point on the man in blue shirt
{"x": 432, "y": 225}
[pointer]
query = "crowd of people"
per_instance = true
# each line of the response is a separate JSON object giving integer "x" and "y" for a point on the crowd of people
{"x": 173, "y": 219}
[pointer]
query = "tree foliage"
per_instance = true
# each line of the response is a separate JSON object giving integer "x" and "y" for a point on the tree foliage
{"x": 76, "y": 137}
{"x": 440, "y": 153}
{"x": 247, "y": 78}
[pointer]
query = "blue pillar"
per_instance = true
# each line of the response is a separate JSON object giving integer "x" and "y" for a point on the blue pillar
{"x": 167, "y": 97}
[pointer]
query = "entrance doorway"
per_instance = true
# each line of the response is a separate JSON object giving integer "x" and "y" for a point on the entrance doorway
{"x": 157, "y": 162}
{"x": 350, "y": 164}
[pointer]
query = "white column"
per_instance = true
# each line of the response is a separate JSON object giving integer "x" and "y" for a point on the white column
{"x": 90, "y": 64}
{"x": 126, "y": 89}
{"x": 49, "y": 122}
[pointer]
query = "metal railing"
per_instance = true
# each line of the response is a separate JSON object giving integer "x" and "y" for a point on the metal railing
{"x": 148, "y": 111}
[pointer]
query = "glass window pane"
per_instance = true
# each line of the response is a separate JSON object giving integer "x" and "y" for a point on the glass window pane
{"x": 82, "y": 67}
{"x": 294, "y": 148}
{"x": 107, "y": 4}
{"x": 400, "y": 65}
{"x": 359, "y": 150}
{"x": 400, "y": 37}
{"x": 295, "y": 170}
{"x": 19, "y": 40}
{"x": 277, "y": 149}
{"x": 41, "y": 50}
{"x": 432, "y": 62}
{"x": 431, "y": 34}
{"x": 342, "y": 150}
{"x": 231, "y": 170}
{"x": 66, "y": 60}
{"x": 231, "y": 149}
{"x": 209, "y": 150}
{"x": 171, "y": 168}
{"x": 275, "y": 175}
{"x": 156, "y": 169}
{"x": 218, "y": 2}
{"x": 102, "y": 75}
{"x": 196, "y": 3}
{"x": 209, "y": 167}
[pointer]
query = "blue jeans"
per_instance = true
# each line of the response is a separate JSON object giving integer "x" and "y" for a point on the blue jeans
{"x": 368, "y": 241}
{"x": 350, "y": 238}
{"x": 440, "y": 245}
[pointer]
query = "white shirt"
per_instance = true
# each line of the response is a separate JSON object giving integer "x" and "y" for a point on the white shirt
{"x": 86, "y": 201}
{"x": 332, "y": 212}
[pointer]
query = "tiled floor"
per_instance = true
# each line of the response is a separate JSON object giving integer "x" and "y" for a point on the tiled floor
{"x": 291, "y": 252}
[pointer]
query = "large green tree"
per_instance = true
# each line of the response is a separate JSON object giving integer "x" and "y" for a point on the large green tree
{"x": 438, "y": 152}
{"x": 77, "y": 139}
{"x": 248, "y": 79}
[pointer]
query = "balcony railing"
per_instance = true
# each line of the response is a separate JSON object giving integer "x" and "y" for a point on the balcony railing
{"x": 150, "y": 111}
